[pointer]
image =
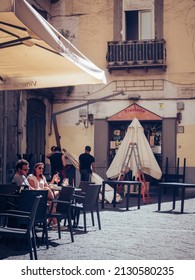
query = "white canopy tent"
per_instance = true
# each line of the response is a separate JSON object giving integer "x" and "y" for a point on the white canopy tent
{"x": 33, "y": 54}
{"x": 135, "y": 134}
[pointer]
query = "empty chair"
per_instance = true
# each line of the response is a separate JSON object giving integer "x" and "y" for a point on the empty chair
{"x": 87, "y": 203}
{"x": 8, "y": 196}
{"x": 84, "y": 184}
{"x": 11, "y": 188}
{"x": 26, "y": 218}
{"x": 41, "y": 215}
{"x": 81, "y": 190}
{"x": 63, "y": 209}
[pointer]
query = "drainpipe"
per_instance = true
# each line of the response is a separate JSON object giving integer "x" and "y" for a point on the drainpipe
{"x": 5, "y": 117}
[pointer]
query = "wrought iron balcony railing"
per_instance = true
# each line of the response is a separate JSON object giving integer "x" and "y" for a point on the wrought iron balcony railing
{"x": 133, "y": 54}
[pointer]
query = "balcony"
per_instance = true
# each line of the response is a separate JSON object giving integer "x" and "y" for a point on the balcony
{"x": 144, "y": 54}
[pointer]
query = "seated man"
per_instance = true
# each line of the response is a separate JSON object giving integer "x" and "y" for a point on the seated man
{"x": 20, "y": 177}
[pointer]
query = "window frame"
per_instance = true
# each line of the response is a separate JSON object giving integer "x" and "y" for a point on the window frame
{"x": 139, "y": 24}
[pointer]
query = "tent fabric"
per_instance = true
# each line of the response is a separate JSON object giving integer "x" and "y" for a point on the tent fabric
{"x": 35, "y": 55}
{"x": 109, "y": 192}
{"x": 135, "y": 134}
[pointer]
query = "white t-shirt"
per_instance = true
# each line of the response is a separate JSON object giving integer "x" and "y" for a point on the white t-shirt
{"x": 20, "y": 180}
{"x": 39, "y": 184}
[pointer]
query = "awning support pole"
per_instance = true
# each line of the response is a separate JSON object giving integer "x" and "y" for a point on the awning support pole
{"x": 56, "y": 131}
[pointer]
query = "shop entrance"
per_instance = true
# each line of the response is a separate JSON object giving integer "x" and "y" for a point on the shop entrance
{"x": 108, "y": 133}
{"x": 152, "y": 131}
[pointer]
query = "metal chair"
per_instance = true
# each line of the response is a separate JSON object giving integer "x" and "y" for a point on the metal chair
{"x": 41, "y": 214}
{"x": 87, "y": 203}
{"x": 8, "y": 196}
{"x": 83, "y": 185}
{"x": 41, "y": 217}
{"x": 27, "y": 219}
{"x": 63, "y": 209}
{"x": 11, "y": 188}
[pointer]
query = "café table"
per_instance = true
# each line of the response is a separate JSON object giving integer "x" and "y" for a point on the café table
{"x": 55, "y": 187}
{"x": 175, "y": 187}
{"x": 123, "y": 183}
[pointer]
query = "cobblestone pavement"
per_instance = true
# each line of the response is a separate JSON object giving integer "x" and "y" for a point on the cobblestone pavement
{"x": 125, "y": 235}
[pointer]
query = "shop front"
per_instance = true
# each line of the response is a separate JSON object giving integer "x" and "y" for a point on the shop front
{"x": 109, "y": 133}
{"x": 152, "y": 125}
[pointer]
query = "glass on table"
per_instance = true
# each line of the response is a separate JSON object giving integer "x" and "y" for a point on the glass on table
{"x": 57, "y": 178}
{"x": 65, "y": 182}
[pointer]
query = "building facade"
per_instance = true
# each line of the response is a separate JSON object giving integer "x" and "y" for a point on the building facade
{"x": 147, "y": 50}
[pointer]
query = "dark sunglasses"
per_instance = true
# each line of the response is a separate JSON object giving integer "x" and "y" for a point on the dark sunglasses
{"x": 41, "y": 168}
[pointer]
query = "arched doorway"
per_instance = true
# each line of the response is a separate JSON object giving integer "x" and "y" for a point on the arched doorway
{"x": 35, "y": 130}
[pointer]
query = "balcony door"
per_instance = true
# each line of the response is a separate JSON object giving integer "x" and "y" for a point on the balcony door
{"x": 139, "y": 25}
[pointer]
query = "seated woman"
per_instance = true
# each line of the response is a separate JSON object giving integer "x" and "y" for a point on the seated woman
{"x": 38, "y": 181}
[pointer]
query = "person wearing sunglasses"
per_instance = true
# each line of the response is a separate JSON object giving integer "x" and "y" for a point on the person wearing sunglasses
{"x": 20, "y": 177}
{"x": 38, "y": 181}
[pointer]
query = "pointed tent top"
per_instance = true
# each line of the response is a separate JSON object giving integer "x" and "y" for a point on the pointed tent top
{"x": 135, "y": 123}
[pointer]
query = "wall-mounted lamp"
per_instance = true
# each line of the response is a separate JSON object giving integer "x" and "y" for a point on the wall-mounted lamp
{"x": 179, "y": 117}
{"x": 85, "y": 118}
{"x": 91, "y": 118}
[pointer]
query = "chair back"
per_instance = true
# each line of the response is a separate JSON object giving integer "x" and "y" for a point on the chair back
{"x": 33, "y": 211}
{"x": 26, "y": 199}
{"x": 83, "y": 185}
{"x": 91, "y": 197}
{"x": 66, "y": 194}
{"x": 41, "y": 214}
{"x": 11, "y": 188}
{"x": 7, "y": 189}
{"x": 28, "y": 202}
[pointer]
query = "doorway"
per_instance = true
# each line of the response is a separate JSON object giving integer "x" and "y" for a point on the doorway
{"x": 35, "y": 130}
{"x": 152, "y": 131}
